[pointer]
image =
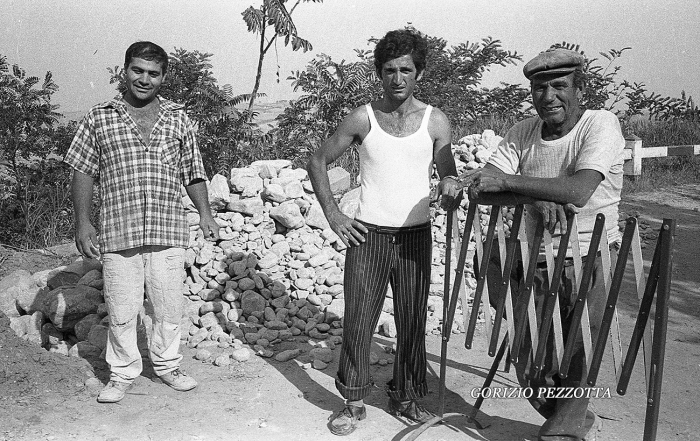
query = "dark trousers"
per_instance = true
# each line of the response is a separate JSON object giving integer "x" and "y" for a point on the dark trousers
{"x": 400, "y": 257}
{"x": 566, "y": 418}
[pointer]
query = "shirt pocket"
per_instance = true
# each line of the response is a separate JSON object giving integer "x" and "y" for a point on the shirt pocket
{"x": 170, "y": 151}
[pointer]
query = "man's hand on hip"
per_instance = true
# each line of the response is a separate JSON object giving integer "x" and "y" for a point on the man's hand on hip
{"x": 350, "y": 231}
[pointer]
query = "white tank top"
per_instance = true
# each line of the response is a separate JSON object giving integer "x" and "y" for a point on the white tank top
{"x": 395, "y": 175}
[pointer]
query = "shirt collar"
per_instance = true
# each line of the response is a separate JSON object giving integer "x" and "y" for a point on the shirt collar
{"x": 118, "y": 103}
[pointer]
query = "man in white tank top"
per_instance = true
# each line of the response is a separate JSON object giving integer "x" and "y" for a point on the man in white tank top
{"x": 565, "y": 158}
{"x": 400, "y": 139}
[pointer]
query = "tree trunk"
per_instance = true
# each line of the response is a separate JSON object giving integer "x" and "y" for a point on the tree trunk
{"x": 258, "y": 75}
{"x": 263, "y": 50}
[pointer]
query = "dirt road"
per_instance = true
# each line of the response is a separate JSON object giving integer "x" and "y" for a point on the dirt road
{"x": 262, "y": 399}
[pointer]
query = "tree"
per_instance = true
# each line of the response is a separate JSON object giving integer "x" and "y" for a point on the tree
{"x": 273, "y": 14}
{"x": 605, "y": 90}
{"x": 452, "y": 79}
{"x": 34, "y": 198}
{"x": 332, "y": 90}
{"x": 26, "y": 117}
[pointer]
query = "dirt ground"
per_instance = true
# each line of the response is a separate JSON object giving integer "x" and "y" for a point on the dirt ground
{"x": 262, "y": 399}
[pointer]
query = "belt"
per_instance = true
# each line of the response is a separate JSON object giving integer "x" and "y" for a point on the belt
{"x": 394, "y": 230}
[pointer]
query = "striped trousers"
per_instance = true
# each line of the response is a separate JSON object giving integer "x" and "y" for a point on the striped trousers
{"x": 401, "y": 258}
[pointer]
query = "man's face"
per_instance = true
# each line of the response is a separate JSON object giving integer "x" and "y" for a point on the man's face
{"x": 143, "y": 79}
{"x": 555, "y": 99}
{"x": 399, "y": 77}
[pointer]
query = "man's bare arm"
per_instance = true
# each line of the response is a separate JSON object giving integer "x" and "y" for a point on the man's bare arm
{"x": 350, "y": 130}
{"x": 197, "y": 191}
{"x": 552, "y": 212}
{"x": 85, "y": 234}
{"x": 449, "y": 190}
{"x": 576, "y": 189}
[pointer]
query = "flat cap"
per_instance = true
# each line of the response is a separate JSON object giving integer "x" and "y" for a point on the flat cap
{"x": 553, "y": 61}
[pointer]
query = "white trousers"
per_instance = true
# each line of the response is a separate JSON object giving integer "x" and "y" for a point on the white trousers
{"x": 160, "y": 270}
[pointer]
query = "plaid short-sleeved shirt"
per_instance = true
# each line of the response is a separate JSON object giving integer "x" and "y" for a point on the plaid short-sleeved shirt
{"x": 139, "y": 183}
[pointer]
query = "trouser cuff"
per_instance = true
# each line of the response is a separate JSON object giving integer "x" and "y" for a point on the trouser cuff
{"x": 353, "y": 392}
{"x": 410, "y": 393}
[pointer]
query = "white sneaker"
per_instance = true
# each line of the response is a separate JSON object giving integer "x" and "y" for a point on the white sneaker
{"x": 113, "y": 392}
{"x": 179, "y": 381}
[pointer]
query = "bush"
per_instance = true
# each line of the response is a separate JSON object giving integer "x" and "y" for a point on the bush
{"x": 34, "y": 204}
{"x": 42, "y": 216}
{"x": 663, "y": 133}
{"x": 664, "y": 172}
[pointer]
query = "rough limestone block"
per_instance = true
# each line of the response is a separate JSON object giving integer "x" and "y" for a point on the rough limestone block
{"x": 246, "y": 181}
{"x": 41, "y": 277}
{"x": 293, "y": 174}
{"x": 29, "y": 297}
{"x": 315, "y": 217}
{"x": 73, "y": 272}
{"x": 218, "y": 191}
{"x": 274, "y": 193}
{"x": 294, "y": 190}
{"x": 349, "y": 202}
{"x": 339, "y": 179}
{"x": 83, "y": 326}
{"x": 28, "y": 327}
{"x": 289, "y": 215}
{"x": 335, "y": 311}
{"x": 98, "y": 336}
{"x": 249, "y": 206}
{"x": 66, "y": 305}
{"x": 276, "y": 164}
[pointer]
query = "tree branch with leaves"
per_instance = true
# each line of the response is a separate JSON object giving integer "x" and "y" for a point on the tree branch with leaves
{"x": 273, "y": 14}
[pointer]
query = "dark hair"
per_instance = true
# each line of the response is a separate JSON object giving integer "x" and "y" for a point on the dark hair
{"x": 398, "y": 43}
{"x": 148, "y": 51}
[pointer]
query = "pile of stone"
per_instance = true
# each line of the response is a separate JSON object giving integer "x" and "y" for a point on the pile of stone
{"x": 275, "y": 274}
{"x": 61, "y": 309}
{"x": 474, "y": 151}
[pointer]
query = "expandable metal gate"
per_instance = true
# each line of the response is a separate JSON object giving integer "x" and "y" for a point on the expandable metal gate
{"x": 657, "y": 282}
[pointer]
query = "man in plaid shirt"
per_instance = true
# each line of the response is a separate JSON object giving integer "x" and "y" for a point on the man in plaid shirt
{"x": 143, "y": 148}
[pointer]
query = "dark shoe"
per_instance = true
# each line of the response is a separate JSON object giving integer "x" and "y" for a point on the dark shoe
{"x": 345, "y": 421}
{"x": 411, "y": 410}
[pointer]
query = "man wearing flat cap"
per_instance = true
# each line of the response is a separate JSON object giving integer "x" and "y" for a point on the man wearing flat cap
{"x": 565, "y": 158}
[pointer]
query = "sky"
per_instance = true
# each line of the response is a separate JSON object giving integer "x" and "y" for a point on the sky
{"x": 77, "y": 40}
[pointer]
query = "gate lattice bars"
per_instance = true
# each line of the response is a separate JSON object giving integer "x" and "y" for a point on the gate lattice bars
{"x": 657, "y": 282}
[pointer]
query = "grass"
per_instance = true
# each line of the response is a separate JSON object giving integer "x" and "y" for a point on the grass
{"x": 660, "y": 173}
{"x": 661, "y": 133}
